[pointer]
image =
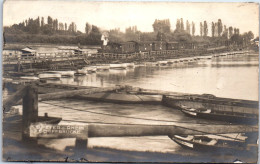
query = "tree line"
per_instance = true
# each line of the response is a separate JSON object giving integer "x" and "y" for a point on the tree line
{"x": 53, "y": 31}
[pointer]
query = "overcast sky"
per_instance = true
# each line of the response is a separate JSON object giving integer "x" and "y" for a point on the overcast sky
{"x": 109, "y": 15}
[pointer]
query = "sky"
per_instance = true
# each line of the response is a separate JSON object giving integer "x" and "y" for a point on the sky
{"x": 110, "y": 15}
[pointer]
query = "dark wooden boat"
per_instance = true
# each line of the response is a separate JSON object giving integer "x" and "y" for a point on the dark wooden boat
{"x": 221, "y": 116}
{"x": 122, "y": 98}
{"x": 203, "y": 143}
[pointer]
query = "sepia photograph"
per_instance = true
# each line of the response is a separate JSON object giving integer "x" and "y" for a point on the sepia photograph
{"x": 130, "y": 81}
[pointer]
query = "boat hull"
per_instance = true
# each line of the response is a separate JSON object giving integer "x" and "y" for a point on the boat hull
{"x": 122, "y": 98}
{"x": 218, "y": 145}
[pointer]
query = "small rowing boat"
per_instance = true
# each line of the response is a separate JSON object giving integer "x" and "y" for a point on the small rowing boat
{"x": 103, "y": 67}
{"x": 162, "y": 63}
{"x": 233, "y": 117}
{"x": 81, "y": 72}
{"x": 90, "y": 69}
{"x": 130, "y": 65}
{"x": 49, "y": 76}
{"x": 29, "y": 77}
{"x": 204, "y": 143}
{"x": 62, "y": 73}
{"x": 118, "y": 66}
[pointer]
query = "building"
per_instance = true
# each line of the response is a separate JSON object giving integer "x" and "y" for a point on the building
{"x": 124, "y": 47}
{"x": 172, "y": 45}
{"x": 159, "y": 46}
{"x": 144, "y": 46}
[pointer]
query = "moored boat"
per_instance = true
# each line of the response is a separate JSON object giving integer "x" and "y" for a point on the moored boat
{"x": 162, "y": 63}
{"x": 118, "y": 66}
{"x": 233, "y": 117}
{"x": 90, "y": 69}
{"x": 204, "y": 142}
{"x": 103, "y": 67}
{"x": 213, "y": 106}
{"x": 29, "y": 77}
{"x": 130, "y": 65}
{"x": 122, "y": 98}
{"x": 62, "y": 73}
{"x": 49, "y": 76}
{"x": 81, "y": 72}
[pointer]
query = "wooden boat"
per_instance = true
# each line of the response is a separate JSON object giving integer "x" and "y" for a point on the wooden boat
{"x": 62, "y": 73}
{"x": 81, "y": 72}
{"x": 118, "y": 66}
{"x": 162, "y": 63}
{"x": 233, "y": 108}
{"x": 208, "y": 143}
{"x": 130, "y": 65}
{"x": 221, "y": 116}
{"x": 49, "y": 76}
{"x": 90, "y": 69}
{"x": 103, "y": 67}
{"x": 122, "y": 98}
{"x": 30, "y": 77}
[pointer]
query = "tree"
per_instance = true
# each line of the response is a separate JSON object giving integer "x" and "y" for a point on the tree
{"x": 220, "y": 27}
{"x": 187, "y": 27}
{"x": 178, "y": 24}
{"x": 61, "y": 26}
{"x": 250, "y": 35}
{"x": 66, "y": 27}
{"x": 87, "y": 28}
{"x": 182, "y": 25}
{"x": 42, "y": 22}
{"x": 193, "y": 29}
{"x": 162, "y": 26}
{"x": 201, "y": 29}
{"x": 50, "y": 21}
{"x": 230, "y": 31}
{"x": 213, "y": 29}
{"x": 225, "y": 32}
{"x": 205, "y": 28}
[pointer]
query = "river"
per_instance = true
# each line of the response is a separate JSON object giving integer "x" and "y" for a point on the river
{"x": 228, "y": 76}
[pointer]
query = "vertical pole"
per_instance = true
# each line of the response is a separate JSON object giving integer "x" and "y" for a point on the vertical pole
{"x": 30, "y": 110}
{"x": 80, "y": 151}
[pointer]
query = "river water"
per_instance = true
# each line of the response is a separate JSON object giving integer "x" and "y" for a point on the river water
{"x": 230, "y": 76}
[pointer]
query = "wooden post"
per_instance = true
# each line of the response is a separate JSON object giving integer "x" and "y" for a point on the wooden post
{"x": 30, "y": 110}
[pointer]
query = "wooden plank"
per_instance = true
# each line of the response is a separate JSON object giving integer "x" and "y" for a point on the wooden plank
{"x": 67, "y": 94}
{"x": 39, "y": 130}
{"x": 13, "y": 99}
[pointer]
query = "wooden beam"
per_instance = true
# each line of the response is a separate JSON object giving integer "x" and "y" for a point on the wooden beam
{"x": 40, "y": 130}
{"x": 14, "y": 99}
{"x": 67, "y": 94}
{"x": 99, "y": 130}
